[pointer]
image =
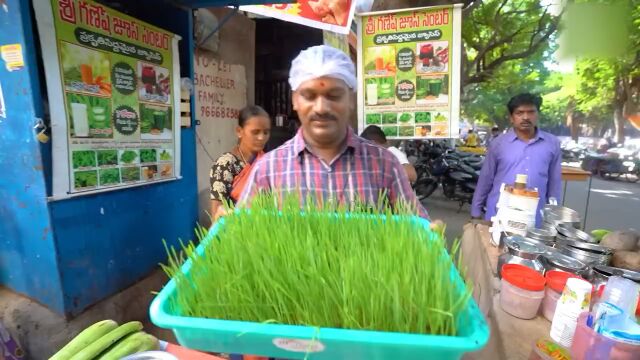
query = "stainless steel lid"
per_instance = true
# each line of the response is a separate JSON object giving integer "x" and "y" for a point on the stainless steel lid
{"x": 564, "y": 214}
{"x": 564, "y": 262}
{"x": 543, "y": 234}
{"x": 522, "y": 247}
{"x": 573, "y": 233}
{"x": 592, "y": 248}
{"x": 612, "y": 271}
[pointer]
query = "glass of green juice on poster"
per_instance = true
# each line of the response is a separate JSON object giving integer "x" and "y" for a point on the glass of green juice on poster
{"x": 421, "y": 88}
{"x": 158, "y": 119}
{"x": 386, "y": 88}
{"x": 435, "y": 87}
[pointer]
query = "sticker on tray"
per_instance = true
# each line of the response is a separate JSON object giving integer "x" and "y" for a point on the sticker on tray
{"x": 299, "y": 345}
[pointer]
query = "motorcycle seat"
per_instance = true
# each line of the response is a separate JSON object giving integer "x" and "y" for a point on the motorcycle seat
{"x": 460, "y": 176}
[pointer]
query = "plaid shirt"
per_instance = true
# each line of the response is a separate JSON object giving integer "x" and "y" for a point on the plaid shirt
{"x": 361, "y": 172}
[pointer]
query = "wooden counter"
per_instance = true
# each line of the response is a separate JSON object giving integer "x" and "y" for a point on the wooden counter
{"x": 570, "y": 173}
{"x": 511, "y": 338}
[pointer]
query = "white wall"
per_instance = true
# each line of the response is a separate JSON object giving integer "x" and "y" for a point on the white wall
{"x": 234, "y": 61}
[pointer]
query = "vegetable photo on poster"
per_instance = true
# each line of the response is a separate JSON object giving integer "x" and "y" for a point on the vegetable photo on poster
{"x": 85, "y": 70}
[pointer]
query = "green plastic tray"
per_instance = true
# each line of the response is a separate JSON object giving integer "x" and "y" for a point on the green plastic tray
{"x": 299, "y": 342}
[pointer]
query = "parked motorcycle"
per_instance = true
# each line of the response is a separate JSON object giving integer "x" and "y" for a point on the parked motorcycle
{"x": 459, "y": 181}
{"x": 613, "y": 164}
{"x": 458, "y": 174}
{"x": 573, "y": 152}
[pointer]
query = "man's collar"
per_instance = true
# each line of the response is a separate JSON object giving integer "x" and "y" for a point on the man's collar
{"x": 540, "y": 135}
{"x": 299, "y": 145}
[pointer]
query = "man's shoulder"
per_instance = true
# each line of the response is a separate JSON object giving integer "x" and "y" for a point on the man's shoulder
{"x": 375, "y": 151}
{"x": 283, "y": 151}
{"x": 550, "y": 137}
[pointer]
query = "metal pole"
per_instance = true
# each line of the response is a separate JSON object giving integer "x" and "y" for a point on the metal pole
{"x": 564, "y": 193}
{"x": 586, "y": 208}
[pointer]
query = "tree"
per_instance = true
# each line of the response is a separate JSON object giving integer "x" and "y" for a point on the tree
{"x": 604, "y": 85}
{"x": 486, "y": 102}
{"x": 497, "y": 32}
{"x": 506, "y": 45}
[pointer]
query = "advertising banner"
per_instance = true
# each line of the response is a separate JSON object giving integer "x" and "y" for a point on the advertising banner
{"x": 332, "y": 15}
{"x": 117, "y": 78}
{"x": 408, "y": 68}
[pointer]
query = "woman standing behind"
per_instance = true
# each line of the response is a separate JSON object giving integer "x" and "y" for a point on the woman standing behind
{"x": 230, "y": 172}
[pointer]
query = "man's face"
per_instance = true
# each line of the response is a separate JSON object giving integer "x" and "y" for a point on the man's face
{"x": 525, "y": 117}
{"x": 324, "y": 106}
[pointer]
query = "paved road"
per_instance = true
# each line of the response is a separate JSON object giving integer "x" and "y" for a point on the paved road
{"x": 613, "y": 204}
{"x": 446, "y": 210}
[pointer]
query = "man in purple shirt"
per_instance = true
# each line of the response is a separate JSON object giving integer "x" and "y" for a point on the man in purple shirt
{"x": 524, "y": 149}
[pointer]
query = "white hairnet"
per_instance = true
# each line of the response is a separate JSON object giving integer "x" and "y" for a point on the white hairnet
{"x": 322, "y": 60}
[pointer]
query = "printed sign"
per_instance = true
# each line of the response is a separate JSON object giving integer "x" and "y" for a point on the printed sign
{"x": 220, "y": 88}
{"x": 12, "y": 56}
{"x": 409, "y": 86}
{"x": 3, "y": 110}
{"x": 117, "y": 78}
{"x": 332, "y": 15}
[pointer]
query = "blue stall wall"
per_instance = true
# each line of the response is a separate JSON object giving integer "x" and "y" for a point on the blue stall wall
{"x": 28, "y": 261}
{"x": 107, "y": 242}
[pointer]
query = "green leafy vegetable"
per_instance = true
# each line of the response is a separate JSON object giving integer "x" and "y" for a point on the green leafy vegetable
{"x": 405, "y": 118}
{"x": 109, "y": 176}
{"x": 439, "y": 117}
{"x": 165, "y": 155}
{"x": 373, "y": 119}
{"x": 322, "y": 267}
{"x": 84, "y": 179}
{"x": 72, "y": 74}
{"x": 407, "y": 131}
{"x": 130, "y": 174}
{"x": 107, "y": 157}
{"x": 390, "y": 118}
{"x": 148, "y": 155}
{"x": 84, "y": 158}
{"x": 128, "y": 156}
{"x": 423, "y": 117}
{"x": 390, "y": 130}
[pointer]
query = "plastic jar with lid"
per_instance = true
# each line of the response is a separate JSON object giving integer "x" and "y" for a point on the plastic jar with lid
{"x": 556, "y": 280}
{"x": 521, "y": 291}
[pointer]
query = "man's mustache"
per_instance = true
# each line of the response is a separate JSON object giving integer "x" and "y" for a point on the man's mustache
{"x": 327, "y": 116}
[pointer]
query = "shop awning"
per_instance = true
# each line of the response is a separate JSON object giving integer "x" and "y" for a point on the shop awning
{"x": 195, "y": 4}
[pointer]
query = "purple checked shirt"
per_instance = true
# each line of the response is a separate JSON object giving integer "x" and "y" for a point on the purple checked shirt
{"x": 360, "y": 172}
{"x": 540, "y": 159}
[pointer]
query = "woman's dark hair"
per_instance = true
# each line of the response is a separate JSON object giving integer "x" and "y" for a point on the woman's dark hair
{"x": 374, "y": 133}
{"x": 250, "y": 111}
{"x": 524, "y": 99}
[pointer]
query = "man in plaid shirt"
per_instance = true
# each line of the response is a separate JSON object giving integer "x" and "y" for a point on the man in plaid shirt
{"x": 326, "y": 160}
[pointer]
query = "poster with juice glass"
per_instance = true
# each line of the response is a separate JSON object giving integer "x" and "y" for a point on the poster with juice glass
{"x": 409, "y": 81}
{"x": 116, "y": 74}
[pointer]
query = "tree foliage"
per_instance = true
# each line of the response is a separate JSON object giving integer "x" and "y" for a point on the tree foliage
{"x": 498, "y": 32}
{"x": 603, "y": 86}
{"x": 506, "y": 45}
